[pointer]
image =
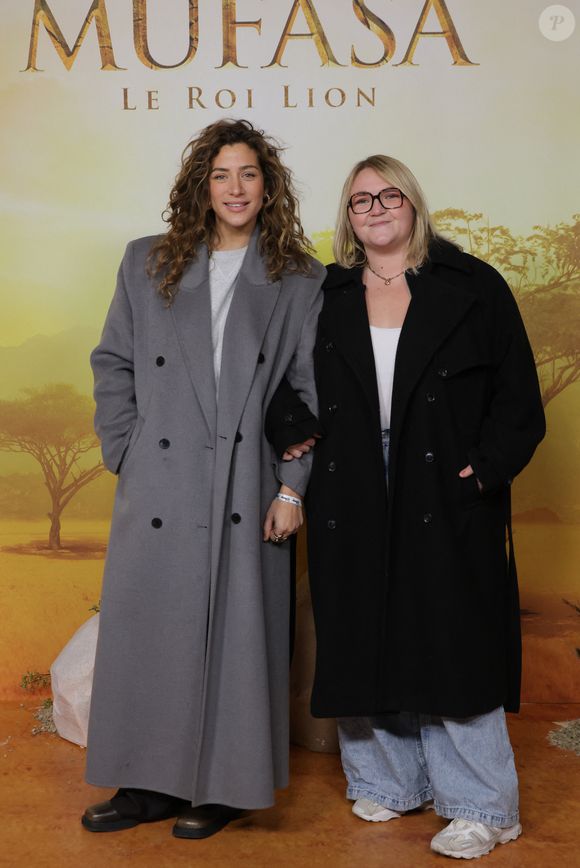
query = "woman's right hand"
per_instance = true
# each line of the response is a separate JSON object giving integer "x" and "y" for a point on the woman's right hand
{"x": 469, "y": 471}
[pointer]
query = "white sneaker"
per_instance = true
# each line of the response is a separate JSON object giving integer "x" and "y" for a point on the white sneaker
{"x": 373, "y": 812}
{"x": 466, "y": 839}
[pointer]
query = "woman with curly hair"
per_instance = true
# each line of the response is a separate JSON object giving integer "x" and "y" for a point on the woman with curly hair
{"x": 189, "y": 705}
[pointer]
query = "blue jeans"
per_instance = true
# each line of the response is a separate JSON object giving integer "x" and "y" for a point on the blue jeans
{"x": 465, "y": 766}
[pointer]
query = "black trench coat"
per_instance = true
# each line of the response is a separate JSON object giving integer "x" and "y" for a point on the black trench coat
{"x": 414, "y": 594}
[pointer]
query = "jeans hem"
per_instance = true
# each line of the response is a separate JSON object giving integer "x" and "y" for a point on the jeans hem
{"x": 501, "y": 821}
{"x": 394, "y": 804}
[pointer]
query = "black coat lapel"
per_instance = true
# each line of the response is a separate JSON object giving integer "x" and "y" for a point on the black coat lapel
{"x": 435, "y": 310}
{"x": 348, "y": 326}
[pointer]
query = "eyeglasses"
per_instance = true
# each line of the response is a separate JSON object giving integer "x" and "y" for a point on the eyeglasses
{"x": 362, "y": 203}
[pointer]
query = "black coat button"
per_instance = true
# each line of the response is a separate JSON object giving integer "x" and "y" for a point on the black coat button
{"x": 236, "y": 518}
{"x": 332, "y": 466}
{"x": 331, "y": 525}
{"x": 164, "y": 443}
{"x": 289, "y": 418}
{"x": 261, "y": 358}
{"x": 430, "y": 397}
{"x": 429, "y": 457}
{"x": 156, "y": 523}
{"x": 238, "y": 437}
{"x": 160, "y": 361}
{"x": 427, "y": 518}
{"x": 329, "y": 347}
{"x": 442, "y": 372}
{"x": 332, "y": 408}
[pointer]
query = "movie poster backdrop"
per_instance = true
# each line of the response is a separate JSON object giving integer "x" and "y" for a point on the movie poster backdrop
{"x": 478, "y": 97}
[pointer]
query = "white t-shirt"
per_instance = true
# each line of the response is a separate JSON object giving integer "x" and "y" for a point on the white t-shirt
{"x": 224, "y": 267}
{"x": 385, "y": 349}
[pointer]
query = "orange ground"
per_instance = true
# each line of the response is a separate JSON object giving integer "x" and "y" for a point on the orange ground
{"x": 43, "y": 795}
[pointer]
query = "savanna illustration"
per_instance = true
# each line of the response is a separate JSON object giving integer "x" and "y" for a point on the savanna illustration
{"x": 56, "y": 496}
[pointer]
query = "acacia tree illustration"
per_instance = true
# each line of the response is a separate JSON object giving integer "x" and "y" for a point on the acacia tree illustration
{"x": 53, "y": 424}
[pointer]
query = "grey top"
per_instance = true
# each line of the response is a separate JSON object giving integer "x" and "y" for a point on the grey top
{"x": 224, "y": 267}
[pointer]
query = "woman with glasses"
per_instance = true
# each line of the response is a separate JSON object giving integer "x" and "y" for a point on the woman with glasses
{"x": 429, "y": 406}
{"x": 189, "y": 710}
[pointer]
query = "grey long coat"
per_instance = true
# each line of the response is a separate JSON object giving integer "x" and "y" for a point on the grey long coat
{"x": 191, "y": 678}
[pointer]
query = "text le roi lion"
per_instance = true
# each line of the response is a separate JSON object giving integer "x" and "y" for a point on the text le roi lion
{"x": 225, "y": 98}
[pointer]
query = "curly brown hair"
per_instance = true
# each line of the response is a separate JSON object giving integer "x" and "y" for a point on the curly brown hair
{"x": 282, "y": 242}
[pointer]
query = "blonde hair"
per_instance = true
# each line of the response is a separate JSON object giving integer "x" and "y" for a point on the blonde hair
{"x": 282, "y": 241}
{"x": 348, "y": 250}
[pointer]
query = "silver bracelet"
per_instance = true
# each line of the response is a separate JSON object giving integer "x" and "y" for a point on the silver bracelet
{"x": 287, "y": 498}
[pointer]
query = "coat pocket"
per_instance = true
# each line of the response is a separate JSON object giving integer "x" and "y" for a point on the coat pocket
{"x": 133, "y": 440}
{"x": 465, "y": 383}
{"x": 465, "y": 351}
{"x": 469, "y": 492}
{"x": 465, "y": 365}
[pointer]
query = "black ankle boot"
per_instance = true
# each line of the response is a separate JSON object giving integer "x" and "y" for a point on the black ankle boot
{"x": 128, "y": 808}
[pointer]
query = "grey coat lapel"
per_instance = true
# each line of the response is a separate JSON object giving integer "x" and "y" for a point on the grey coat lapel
{"x": 191, "y": 314}
{"x": 251, "y": 310}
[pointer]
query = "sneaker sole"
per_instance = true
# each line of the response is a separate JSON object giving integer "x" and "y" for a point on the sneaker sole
{"x": 394, "y": 815}
{"x": 509, "y": 835}
{"x": 376, "y": 818}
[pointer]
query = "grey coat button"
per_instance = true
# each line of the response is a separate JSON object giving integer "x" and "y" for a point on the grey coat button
{"x": 332, "y": 466}
{"x": 156, "y": 523}
{"x": 430, "y": 397}
{"x": 160, "y": 361}
{"x": 288, "y": 418}
{"x": 329, "y": 347}
{"x": 332, "y": 408}
{"x": 427, "y": 518}
{"x": 236, "y": 518}
{"x": 429, "y": 457}
{"x": 331, "y": 525}
{"x": 442, "y": 372}
{"x": 164, "y": 443}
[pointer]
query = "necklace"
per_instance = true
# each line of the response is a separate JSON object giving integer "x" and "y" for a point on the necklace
{"x": 386, "y": 280}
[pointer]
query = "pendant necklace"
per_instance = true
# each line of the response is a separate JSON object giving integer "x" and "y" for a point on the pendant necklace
{"x": 386, "y": 280}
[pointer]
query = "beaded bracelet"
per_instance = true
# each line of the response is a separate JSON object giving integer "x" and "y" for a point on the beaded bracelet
{"x": 287, "y": 498}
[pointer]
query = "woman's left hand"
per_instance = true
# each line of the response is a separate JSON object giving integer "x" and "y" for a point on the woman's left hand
{"x": 468, "y": 471}
{"x": 297, "y": 450}
{"x": 282, "y": 519}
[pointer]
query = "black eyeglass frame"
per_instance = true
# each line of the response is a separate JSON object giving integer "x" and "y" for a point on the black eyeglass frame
{"x": 377, "y": 196}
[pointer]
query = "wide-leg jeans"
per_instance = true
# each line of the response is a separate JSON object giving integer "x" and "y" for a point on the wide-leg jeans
{"x": 402, "y": 760}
